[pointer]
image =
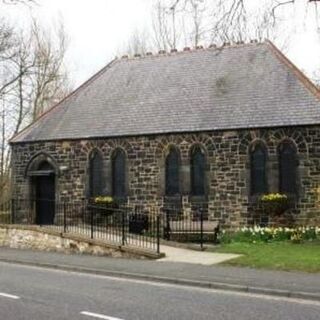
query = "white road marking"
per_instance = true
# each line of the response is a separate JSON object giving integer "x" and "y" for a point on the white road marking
{"x": 98, "y": 316}
{"x": 10, "y": 296}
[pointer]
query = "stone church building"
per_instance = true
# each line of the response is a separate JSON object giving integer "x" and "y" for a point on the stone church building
{"x": 218, "y": 126}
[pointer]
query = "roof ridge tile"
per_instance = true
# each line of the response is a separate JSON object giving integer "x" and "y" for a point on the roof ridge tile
{"x": 175, "y": 51}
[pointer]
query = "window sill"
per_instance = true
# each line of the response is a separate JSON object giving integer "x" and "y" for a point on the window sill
{"x": 198, "y": 199}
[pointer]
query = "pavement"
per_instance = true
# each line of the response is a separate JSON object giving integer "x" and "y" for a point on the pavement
{"x": 274, "y": 283}
{"x": 174, "y": 254}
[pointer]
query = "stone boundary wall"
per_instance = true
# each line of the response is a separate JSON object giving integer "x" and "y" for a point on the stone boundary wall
{"x": 36, "y": 238}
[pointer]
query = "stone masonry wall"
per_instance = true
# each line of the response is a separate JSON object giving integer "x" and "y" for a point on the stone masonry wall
{"x": 227, "y": 169}
{"x": 36, "y": 238}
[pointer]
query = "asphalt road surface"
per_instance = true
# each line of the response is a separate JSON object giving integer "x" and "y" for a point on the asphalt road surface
{"x": 42, "y": 294}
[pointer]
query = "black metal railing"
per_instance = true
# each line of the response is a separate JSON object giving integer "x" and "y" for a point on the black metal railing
{"x": 136, "y": 226}
{"x": 121, "y": 225}
{"x": 192, "y": 226}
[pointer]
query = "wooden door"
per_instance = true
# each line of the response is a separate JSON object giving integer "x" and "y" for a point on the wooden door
{"x": 45, "y": 199}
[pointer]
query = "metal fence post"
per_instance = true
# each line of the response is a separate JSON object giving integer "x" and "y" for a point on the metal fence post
{"x": 201, "y": 228}
{"x": 167, "y": 228}
{"x": 158, "y": 234}
{"x": 91, "y": 222}
{"x": 12, "y": 211}
{"x": 123, "y": 227}
{"x": 64, "y": 218}
{"x": 39, "y": 204}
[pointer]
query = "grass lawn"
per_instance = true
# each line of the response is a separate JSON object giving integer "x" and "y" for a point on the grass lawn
{"x": 277, "y": 255}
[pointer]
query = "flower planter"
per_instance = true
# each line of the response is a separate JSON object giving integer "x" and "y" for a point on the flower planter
{"x": 274, "y": 204}
{"x": 100, "y": 209}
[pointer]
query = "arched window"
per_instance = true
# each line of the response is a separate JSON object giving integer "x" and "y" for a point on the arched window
{"x": 258, "y": 160}
{"x": 119, "y": 174}
{"x": 288, "y": 164}
{"x": 172, "y": 172}
{"x": 198, "y": 166}
{"x": 96, "y": 179}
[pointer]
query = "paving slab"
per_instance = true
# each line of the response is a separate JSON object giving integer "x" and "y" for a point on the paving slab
{"x": 174, "y": 254}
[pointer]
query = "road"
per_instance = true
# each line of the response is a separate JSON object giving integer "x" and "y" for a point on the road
{"x": 36, "y": 293}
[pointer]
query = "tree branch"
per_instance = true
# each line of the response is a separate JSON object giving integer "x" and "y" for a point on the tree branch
{"x": 18, "y": 2}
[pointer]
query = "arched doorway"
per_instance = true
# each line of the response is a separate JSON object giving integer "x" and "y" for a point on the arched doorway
{"x": 43, "y": 181}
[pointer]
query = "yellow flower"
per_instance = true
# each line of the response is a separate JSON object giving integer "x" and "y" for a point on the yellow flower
{"x": 103, "y": 199}
{"x": 271, "y": 197}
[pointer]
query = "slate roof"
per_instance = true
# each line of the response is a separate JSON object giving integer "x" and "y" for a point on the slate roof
{"x": 242, "y": 86}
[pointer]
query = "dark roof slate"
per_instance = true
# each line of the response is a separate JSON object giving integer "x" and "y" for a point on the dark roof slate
{"x": 243, "y": 86}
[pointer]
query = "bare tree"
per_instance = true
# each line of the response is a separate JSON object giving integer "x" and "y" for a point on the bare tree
{"x": 194, "y": 21}
{"x": 315, "y": 77}
{"x": 164, "y": 25}
{"x": 138, "y": 43}
{"x": 236, "y": 8}
{"x": 178, "y": 22}
{"x": 32, "y": 78}
{"x": 8, "y": 49}
{"x": 29, "y": 2}
{"x": 207, "y": 21}
{"x": 49, "y": 83}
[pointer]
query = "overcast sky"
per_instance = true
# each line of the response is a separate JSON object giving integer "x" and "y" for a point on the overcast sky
{"x": 97, "y": 29}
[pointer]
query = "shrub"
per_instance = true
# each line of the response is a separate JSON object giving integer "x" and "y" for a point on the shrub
{"x": 266, "y": 234}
